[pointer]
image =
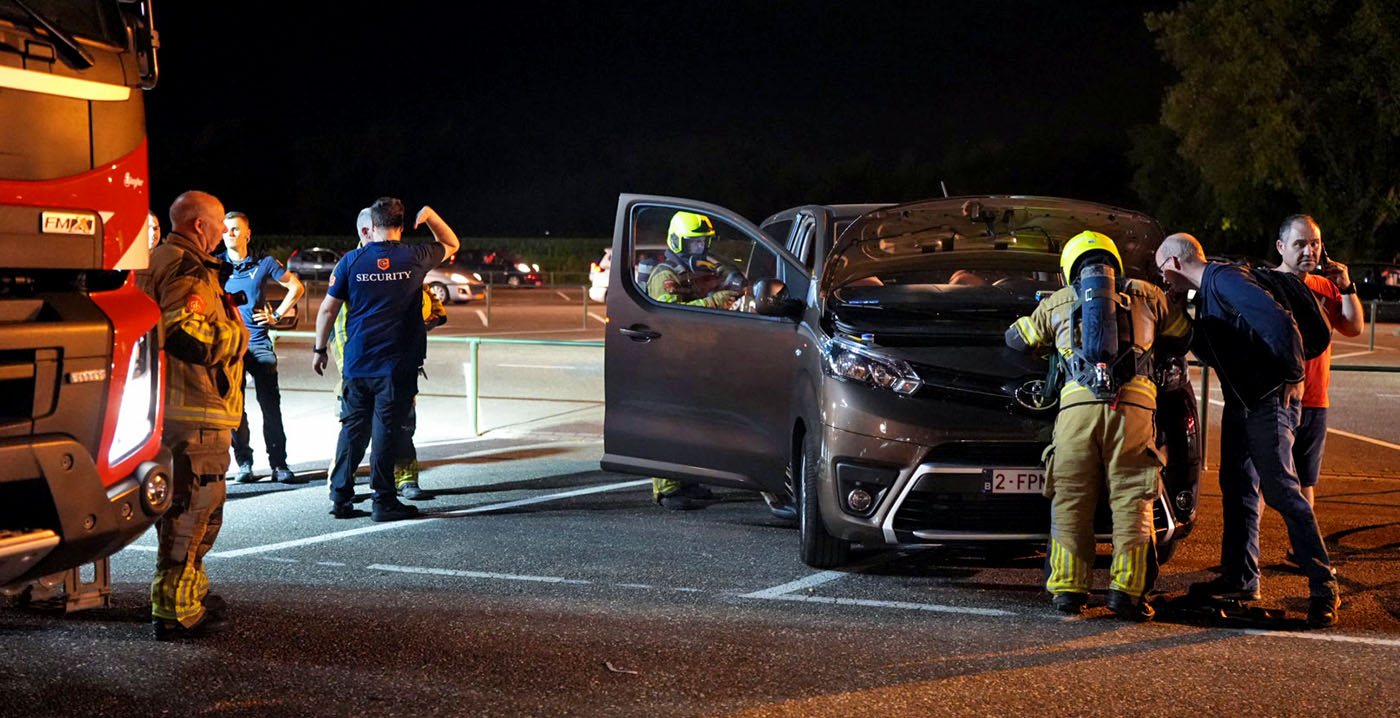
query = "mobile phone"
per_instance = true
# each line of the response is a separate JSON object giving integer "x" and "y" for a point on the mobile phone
{"x": 1322, "y": 260}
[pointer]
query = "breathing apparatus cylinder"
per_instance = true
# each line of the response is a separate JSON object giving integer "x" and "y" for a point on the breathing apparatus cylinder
{"x": 1099, "y": 323}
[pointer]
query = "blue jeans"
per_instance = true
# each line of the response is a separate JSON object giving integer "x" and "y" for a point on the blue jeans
{"x": 261, "y": 363}
{"x": 1256, "y": 458}
{"x": 371, "y": 407}
{"x": 1310, "y": 438}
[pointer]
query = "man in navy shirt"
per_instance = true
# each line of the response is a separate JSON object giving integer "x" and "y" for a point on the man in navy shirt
{"x": 249, "y": 273}
{"x": 381, "y": 287}
{"x": 1253, "y": 344}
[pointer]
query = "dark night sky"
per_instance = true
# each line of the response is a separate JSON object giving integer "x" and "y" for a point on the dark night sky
{"x": 533, "y": 117}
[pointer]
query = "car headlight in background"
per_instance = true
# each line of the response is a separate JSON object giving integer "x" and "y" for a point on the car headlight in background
{"x": 848, "y": 360}
{"x": 523, "y": 267}
{"x": 458, "y": 278}
{"x": 136, "y": 414}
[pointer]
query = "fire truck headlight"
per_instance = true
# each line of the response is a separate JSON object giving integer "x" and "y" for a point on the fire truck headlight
{"x": 136, "y": 414}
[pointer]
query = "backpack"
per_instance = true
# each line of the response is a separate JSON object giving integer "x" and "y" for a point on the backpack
{"x": 1293, "y": 295}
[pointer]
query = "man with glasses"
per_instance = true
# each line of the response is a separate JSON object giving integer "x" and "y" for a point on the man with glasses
{"x": 1253, "y": 344}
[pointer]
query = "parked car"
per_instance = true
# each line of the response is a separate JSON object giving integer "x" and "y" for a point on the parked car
{"x": 869, "y": 382}
{"x": 599, "y": 271}
{"x": 451, "y": 283}
{"x": 498, "y": 267}
{"x": 314, "y": 263}
{"x": 1377, "y": 281}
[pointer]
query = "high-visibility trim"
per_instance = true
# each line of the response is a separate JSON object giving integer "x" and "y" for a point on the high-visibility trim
{"x": 1028, "y": 332}
{"x": 1177, "y": 328}
{"x": 14, "y": 78}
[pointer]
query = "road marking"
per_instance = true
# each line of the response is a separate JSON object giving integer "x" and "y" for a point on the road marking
{"x": 476, "y": 574}
{"x": 540, "y": 366}
{"x": 562, "y": 295}
{"x": 601, "y": 319}
{"x": 1349, "y": 354}
{"x": 933, "y": 607}
{"x": 1325, "y": 637}
{"x": 484, "y": 321}
{"x": 134, "y": 547}
{"x": 329, "y": 563}
{"x": 635, "y": 585}
{"x": 1366, "y": 439}
{"x": 815, "y": 579}
{"x": 279, "y": 559}
{"x": 428, "y": 518}
{"x": 1339, "y": 432}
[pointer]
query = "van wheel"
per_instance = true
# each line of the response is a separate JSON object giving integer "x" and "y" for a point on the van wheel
{"x": 439, "y": 291}
{"x": 819, "y": 549}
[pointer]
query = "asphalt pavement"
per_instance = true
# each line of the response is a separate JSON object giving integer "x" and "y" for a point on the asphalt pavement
{"x": 537, "y": 584}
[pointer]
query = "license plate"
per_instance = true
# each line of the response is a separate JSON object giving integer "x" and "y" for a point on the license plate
{"x": 1013, "y": 481}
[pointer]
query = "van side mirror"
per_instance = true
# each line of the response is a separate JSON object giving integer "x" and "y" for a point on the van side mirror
{"x": 771, "y": 299}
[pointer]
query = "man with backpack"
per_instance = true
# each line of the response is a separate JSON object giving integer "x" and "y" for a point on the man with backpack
{"x": 1301, "y": 252}
{"x": 1105, "y": 328}
{"x": 1253, "y": 343}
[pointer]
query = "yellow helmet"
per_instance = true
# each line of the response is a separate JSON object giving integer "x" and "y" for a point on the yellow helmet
{"x": 1082, "y": 244}
{"x": 685, "y": 225}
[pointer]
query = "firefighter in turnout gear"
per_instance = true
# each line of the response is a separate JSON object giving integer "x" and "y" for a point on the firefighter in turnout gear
{"x": 691, "y": 275}
{"x": 1104, "y": 328}
{"x": 205, "y": 340}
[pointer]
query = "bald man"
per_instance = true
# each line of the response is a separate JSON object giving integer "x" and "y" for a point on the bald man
{"x": 204, "y": 344}
{"x": 1253, "y": 344}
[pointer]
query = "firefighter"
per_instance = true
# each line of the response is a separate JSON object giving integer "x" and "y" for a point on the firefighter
{"x": 204, "y": 340}
{"x": 690, "y": 275}
{"x": 1103, "y": 327}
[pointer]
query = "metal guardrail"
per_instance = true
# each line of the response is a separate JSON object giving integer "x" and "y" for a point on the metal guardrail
{"x": 472, "y": 375}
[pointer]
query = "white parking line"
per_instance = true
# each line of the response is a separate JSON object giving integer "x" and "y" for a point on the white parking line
{"x": 1349, "y": 354}
{"x": 562, "y": 295}
{"x": 906, "y": 605}
{"x": 601, "y": 319}
{"x": 815, "y": 579}
{"x": 1339, "y": 432}
{"x": 540, "y": 366}
{"x": 484, "y": 321}
{"x": 475, "y": 574}
{"x": 374, "y": 528}
{"x": 1325, "y": 637}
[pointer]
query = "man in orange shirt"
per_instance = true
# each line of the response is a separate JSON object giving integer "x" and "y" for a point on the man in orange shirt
{"x": 1300, "y": 246}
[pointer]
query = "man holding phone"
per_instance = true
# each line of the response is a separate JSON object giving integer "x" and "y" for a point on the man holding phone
{"x": 1302, "y": 252}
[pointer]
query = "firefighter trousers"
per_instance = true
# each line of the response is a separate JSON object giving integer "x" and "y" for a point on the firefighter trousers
{"x": 1095, "y": 445}
{"x": 187, "y": 530}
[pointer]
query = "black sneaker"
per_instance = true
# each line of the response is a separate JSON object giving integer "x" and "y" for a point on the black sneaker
{"x": 1322, "y": 611}
{"x": 245, "y": 474}
{"x": 411, "y": 491}
{"x": 393, "y": 512}
{"x": 697, "y": 491}
{"x": 1221, "y": 589}
{"x": 679, "y": 502}
{"x": 345, "y": 510}
{"x": 1069, "y": 602}
{"x": 283, "y": 475}
{"x": 1128, "y": 608}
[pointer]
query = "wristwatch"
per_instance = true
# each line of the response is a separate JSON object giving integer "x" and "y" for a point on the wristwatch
{"x": 1348, "y": 289}
{"x": 318, "y": 350}
{"x": 276, "y": 315}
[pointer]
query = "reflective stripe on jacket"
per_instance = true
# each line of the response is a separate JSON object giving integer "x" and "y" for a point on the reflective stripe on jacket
{"x": 204, "y": 336}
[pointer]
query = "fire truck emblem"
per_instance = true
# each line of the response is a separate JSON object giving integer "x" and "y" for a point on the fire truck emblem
{"x": 384, "y": 263}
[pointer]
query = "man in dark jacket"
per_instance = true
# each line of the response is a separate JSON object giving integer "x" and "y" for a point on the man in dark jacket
{"x": 1253, "y": 344}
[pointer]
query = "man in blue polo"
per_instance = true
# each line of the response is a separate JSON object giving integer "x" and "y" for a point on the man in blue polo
{"x": 250, "y": 270}
{"x": 381, "y": 287}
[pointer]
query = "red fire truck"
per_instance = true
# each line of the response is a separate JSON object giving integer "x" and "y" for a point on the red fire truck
{"x": 82, "y": 471}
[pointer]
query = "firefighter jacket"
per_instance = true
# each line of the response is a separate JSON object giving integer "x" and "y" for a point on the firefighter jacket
{"x": 712, "y": 284}
{"x": 1152, "y": 318}
{"x": 204, "y": 336}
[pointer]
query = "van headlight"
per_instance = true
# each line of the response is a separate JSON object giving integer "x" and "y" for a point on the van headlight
{"x": 136, "y": 413}
{"x": 854, "y": 362}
